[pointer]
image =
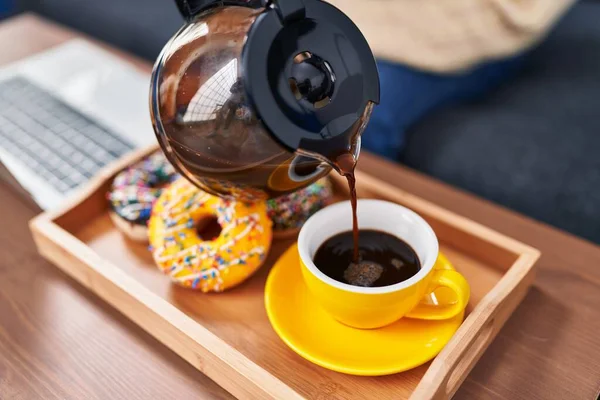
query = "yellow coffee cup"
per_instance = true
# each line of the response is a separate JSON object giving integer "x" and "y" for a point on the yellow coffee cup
{"x": 374, "y": 307}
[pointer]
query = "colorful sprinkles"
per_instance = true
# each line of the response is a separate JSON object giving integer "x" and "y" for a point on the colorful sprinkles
{"x": 136, "y": 188}
{"x": 213, "y": 265}
{"x": 292, "y": 210}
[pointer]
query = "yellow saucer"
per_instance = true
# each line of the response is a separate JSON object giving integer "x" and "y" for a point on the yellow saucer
{"x": 312, "y": 333}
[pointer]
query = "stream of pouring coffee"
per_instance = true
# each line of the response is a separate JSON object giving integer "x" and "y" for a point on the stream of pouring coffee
{"x": 346, "y": 165}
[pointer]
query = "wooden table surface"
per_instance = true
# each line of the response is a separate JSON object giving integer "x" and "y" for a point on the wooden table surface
{"x": 57, "y": 341}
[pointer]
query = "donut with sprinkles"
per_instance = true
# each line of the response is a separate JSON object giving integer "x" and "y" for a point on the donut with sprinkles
{"x": 215, "y": 264}
{"x": 134, "y": 191}
{"x": 289, "y": 212}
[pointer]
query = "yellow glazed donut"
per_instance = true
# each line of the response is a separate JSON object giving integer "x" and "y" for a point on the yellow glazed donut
{"x": 214, "y": 265}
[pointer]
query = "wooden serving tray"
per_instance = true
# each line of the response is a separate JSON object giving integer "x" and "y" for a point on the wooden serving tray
{"x": 228, "y": 337}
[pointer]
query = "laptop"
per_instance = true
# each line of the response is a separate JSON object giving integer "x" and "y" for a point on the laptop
{"x": 66, "y": 113}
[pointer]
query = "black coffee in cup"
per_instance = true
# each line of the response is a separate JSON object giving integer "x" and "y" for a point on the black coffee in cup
{"x": 384, "y": 259}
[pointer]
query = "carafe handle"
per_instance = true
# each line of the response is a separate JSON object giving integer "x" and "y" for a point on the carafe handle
{"x": 190, "y": 8}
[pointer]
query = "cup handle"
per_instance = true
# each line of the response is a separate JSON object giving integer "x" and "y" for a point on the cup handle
{"x": 453, "y": 281}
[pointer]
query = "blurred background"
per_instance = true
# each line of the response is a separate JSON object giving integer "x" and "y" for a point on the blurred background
{"x": 506, "y": 105}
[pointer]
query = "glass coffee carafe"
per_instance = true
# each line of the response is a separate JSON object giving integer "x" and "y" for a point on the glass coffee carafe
{"x": 253, "y": 100}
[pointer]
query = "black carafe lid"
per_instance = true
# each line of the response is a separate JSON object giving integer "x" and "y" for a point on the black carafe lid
{"x": 309, "y": 73}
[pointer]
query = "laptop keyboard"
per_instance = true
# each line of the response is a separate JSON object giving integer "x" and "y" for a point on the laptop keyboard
{"x": 60, "y": 144}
